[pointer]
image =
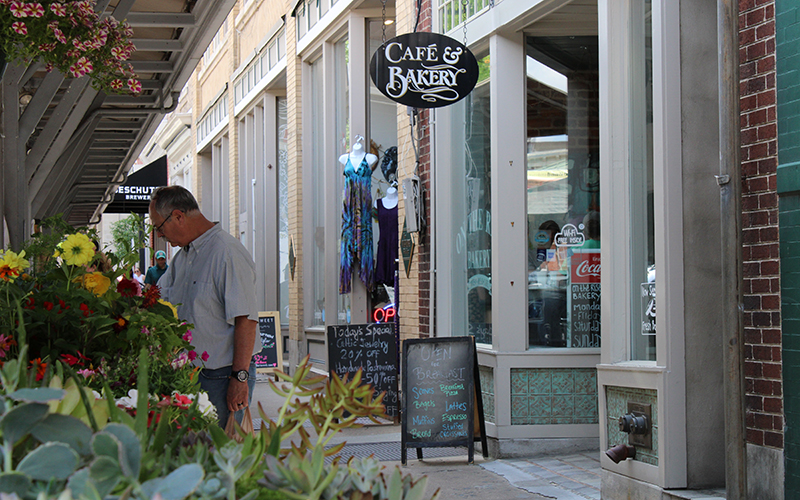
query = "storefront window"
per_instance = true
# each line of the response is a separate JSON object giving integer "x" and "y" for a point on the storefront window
{"x": 563, "y": 192}
{"x": 383, "y": 143}
{"x": 284, "y": 273}
{"x": 643, "y": 271}
{"x": 317, "y": 166}
{"x": 472, "y": 209}
{"x": 342, "y": 105}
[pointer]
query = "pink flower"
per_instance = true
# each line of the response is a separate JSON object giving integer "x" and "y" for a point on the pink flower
{"x": 135, "y": 85}
{"x": 36, "y": 9}
{"x": 187, "y": 336}
{"x": 118, "y": 53}
{"x": 18, "y": 9}
{"x": 20, "y": 28}
{"x": 47, "y": 47}
{"x": 58, "y": 9}
{"x": 204, "y": 356}
{"x": 5, "y": 345}
{"x": 49, "y": 67}
{"x": 192, "y": 355}
{"x": 116, "y": 84}
{"x": 59, "y": 35}
{"x": 86, "y": 372}
{"x": 145, "y": 331}
{"x": 180, "y": 361}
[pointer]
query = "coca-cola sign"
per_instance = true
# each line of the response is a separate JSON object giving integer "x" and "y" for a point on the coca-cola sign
{"x": 584, "y": 291}
{"x": 585, "y": 267}
{"x": 424, "y": 70}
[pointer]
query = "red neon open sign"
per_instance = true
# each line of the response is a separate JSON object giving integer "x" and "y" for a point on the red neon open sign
{"x": 383, "y": 315}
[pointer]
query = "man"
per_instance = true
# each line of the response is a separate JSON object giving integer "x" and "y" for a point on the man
{"x": 212, "y": 279}
{"x": 154, "y": 273}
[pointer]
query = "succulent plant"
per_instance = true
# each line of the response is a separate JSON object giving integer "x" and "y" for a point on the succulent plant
{"x": 301, "y": 472}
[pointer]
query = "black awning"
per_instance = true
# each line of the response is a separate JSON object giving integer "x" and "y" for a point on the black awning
{"x": 134, "y": 195}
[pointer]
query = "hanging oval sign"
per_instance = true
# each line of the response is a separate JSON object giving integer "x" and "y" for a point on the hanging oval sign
{"x": 424, "y": 70}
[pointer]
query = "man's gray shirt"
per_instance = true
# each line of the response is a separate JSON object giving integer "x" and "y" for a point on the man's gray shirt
{"x": 212, "y": 282}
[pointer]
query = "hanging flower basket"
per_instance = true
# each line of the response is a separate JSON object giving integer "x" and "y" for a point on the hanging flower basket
{"x": 71, "y": 37}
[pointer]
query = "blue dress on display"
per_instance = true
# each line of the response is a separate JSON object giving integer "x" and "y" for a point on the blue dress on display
{"x": 356, "y": 246}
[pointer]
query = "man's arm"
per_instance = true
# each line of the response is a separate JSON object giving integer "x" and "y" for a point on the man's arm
{"x": 244, "y": 338}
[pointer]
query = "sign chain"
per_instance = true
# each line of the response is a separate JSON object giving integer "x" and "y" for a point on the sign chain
{"x": 465, "y": 4}
{"x": 383, "y": 22}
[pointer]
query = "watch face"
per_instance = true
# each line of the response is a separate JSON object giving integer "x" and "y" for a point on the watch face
{"x": 242, "y": 375}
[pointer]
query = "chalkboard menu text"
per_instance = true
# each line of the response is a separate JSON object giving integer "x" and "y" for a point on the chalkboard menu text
{"x": 439, "y": 397}
{"x": 271, "y": 356}
{"x": 371, "y": 347}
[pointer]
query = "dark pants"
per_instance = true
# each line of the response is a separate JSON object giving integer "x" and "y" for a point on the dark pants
{"x": 215, "y": 383}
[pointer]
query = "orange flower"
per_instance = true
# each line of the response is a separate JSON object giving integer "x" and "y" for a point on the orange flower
{"x": 40, "y": 368}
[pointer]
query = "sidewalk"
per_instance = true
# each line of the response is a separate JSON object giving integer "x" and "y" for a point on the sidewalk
{"x": 573, "y": 477}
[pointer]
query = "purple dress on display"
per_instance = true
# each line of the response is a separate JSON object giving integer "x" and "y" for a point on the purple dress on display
{"x": 387, "y": 244}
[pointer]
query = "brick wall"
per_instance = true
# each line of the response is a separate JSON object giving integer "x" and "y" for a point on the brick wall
{"x": 426, "y": 324}
{"x": 761, "y": 252}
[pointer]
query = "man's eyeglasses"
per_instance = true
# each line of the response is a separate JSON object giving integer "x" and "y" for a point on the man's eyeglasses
{"x": 158, "y": 228}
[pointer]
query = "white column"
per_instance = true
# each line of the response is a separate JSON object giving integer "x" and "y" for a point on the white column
{"x": 508, "y": 174}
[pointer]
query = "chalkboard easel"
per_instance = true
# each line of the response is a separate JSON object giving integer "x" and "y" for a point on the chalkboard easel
{"x": 372, "y": 348}
{"x": 442, "y": 403}
{"x": 270, "y": 359}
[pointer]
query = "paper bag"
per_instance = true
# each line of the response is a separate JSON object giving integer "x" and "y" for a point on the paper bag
{"x": 236, "y": 432}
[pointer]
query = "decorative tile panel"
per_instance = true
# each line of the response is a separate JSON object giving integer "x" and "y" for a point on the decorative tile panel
{"x": 617, "y": 405}
{"x": 553, "y": 396}
{"x": 487, "y": 392}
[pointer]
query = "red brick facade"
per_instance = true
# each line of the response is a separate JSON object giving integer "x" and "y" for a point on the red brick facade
{"x": 424, "y": 250}
{"x": 761, "y": 252}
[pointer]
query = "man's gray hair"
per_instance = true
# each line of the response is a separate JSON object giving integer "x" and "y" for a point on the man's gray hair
{"x": 169, "y": 198}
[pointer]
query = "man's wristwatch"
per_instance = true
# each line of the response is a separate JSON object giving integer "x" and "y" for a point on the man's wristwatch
{"x": 241, "y": 375}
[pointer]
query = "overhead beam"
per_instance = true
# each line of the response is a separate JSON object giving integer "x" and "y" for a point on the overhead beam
{"x": 153, "y": 66}
{"x": 144, "y": 100}
{"x": 60, "y": 127}
{"x": 160, "y": 20}
{"x": 157, "y": 45}
{"x": 38, "y": 104}
{"x": 44, "y": 173}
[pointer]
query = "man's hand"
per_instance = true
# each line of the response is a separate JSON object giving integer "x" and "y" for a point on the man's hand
{"x": 237, "y": 395}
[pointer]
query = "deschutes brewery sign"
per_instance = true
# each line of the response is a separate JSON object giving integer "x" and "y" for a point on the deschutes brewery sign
{"x": 424, "y": 70}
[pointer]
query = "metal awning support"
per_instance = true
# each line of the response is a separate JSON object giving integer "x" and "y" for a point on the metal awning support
{"x": 72, "y": 144}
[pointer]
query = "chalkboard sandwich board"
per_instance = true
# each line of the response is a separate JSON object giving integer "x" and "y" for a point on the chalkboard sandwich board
{"x": 371, "y": 347}
{"x": 441, "y": 400}
{"x": 270, "y": 359}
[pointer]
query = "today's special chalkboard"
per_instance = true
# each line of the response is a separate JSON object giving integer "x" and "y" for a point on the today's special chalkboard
{"x": 441, "y": 396}
{"x": 372, "y": 347}
{"x": 270, "y": 358}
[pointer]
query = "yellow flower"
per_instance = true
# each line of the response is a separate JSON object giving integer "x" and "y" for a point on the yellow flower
{"x": 174, "y": 309}
{"x": 12, "y": 264}
{"x": 95, "y": 282}
{"x": 77, "y": 249}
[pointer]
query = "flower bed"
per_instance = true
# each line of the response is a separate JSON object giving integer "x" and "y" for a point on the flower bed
{"x": 78, "y": 306}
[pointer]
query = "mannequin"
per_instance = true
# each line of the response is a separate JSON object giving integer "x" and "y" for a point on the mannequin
{"x": 356, "y": 243}
{"x": 386, "y": 213}
{"x": 358, "y": 155}
{"x": 390, "y": 200}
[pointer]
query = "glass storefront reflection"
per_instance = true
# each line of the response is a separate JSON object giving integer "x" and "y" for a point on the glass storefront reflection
{"x": 563, "y": 192}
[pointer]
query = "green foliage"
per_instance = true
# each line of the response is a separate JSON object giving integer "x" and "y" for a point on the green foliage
{"x": 77, "y": 311}
{"x": 128, "y": 234}
{"x": 48, "y": 453}
{"x": 301, "y": 472}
